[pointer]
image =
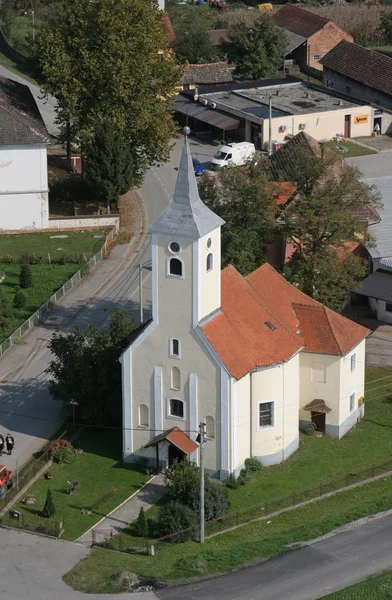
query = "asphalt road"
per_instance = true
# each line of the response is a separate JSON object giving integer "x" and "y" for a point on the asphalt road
{"x": 305, "y": 574}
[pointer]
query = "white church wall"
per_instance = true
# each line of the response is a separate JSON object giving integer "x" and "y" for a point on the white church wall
{"x": 320, "y": 379}
{"x": 279, "y": 385}
{"x": 241, "y": 422}
{"x": 209, "y": 297}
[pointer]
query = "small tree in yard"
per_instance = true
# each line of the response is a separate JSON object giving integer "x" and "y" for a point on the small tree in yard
{"x": 108, "y": 166}
{"x": 141, "y": 525}
{"x": 5, "y": 311}
{"x": 49, "y": 508}
{"x": 257, "y": 51}
{"x": 177, "y": 518}
{"x": 26, "y": 276}
{"x": 20, "y": 299}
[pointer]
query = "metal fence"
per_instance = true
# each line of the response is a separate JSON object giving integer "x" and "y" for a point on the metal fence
{"x": 43, "y": 311}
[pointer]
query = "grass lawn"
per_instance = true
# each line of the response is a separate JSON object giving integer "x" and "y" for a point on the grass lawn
{"x": 98, "y": 470}
{"x": 14, "y": 67}
{"x": 44, "y": 243}
{"x": 352, "y": 148}
{"x": 252, "y": 543}
{"x": 378, "y": 587}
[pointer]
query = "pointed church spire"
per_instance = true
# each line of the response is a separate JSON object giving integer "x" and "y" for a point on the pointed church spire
{"x": 186, "y": 216}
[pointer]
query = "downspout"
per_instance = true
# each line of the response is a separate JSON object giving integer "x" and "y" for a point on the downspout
{"x": 251, "y": 414}
{"x": 284, "y": 402}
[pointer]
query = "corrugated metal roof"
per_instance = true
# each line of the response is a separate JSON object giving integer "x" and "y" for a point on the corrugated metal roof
{"x": 382, "y": 231}
{"x": 377, "y": 285}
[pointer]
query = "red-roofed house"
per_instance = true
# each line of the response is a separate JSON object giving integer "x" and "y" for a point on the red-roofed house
{"x": 252, "y": 357}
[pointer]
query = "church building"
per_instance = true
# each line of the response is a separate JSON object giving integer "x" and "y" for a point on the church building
{"x": 252, "y": 357}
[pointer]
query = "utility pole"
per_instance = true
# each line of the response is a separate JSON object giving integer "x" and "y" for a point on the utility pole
{"x": 201, "y": 439}
{"x": 141, "y": 292}
{"x": 33, "y": 15}
{"x": 270, "y": 126}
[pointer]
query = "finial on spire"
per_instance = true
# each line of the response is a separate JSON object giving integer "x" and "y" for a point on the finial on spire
{"x": 186, "y": 131}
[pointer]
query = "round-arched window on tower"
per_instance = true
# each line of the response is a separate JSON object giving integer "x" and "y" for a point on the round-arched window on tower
{"x": 209, "y": 243}
{"x": 174, "y": 247}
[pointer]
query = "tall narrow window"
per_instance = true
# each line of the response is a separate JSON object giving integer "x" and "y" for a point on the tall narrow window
{"x": 352, "y": 402}
{"x": 353, "y": 362}
{"x": 175, "y": 378}
{"x": 266, "y": 414}
{"x": 175, "y": 348}
{"x": 143, "y": 415}
{"x": 210, "y": 262}
{"x": 210, "y": 427}
{"x": 175, "y": 267}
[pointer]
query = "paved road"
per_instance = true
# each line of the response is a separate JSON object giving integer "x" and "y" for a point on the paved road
{"x": 31, "y": 568}
{"x": 305, "y": 574}
{"x": 47, "y": 107}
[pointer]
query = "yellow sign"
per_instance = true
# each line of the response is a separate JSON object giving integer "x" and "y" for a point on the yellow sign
{"x": 358, "y": 120}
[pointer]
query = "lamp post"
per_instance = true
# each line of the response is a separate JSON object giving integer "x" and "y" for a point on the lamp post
{"x": 73, "y": 403}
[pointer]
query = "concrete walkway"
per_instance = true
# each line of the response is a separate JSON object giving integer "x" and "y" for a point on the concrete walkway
{"x": 127, "y": 512}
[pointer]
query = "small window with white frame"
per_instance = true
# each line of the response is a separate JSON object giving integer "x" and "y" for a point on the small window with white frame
{"x": 175, "y": 348}
{"x": 353, "y": 362}
{"x": 143, "y": 415}
{"x": 176, "y": 408}
{"x": 352, "y": 402}
{"x": 210, "y": 262}
{"x": 266, "y": 414}
{"x": 175, "y": 267}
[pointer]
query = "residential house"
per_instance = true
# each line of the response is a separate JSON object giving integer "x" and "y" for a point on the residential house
{"x": 252, "y": 357}
{"x": 207, "y": 74}
{"x": 23, "y": 160}
{"x": 363, "y": 74}
{"x": 309, "y": 36}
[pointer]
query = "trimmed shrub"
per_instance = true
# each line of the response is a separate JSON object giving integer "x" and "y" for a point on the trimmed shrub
{"x": 20, "y": 299}
{"x": 49, "y": 508}
{"x": 216, "y": 501}
{"x": 61, "y": 451}
{"x": 141, "y": 526}
{"x": 177, "y": 518}
{"x": 252, "y": 465}
{"x": 26, "y": 276}
{"x": 232, "y": 482}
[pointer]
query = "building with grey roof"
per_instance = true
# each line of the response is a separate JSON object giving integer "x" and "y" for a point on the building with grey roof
{"x": 23, "y": 160}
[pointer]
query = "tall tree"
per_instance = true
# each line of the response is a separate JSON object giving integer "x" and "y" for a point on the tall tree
{"x": 330, "y": 210}
{"x": 105, "y": 60}
{"x": 108, "y": 166}
{"x": 243, "y": 200}
{"x": 257, "y": 51}
{"x": 85, "y": 368}
{"x": 194, "y": 46}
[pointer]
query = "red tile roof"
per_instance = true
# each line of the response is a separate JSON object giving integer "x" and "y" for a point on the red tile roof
{"x": 299, "y": 21}
{"x": 176, "y": 437}
{"x": 265, "y": 320}
{"x": 281, "y": 190}
{"x": 171, "y": 38}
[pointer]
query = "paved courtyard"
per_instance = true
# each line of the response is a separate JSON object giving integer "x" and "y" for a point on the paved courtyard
{"x": 381, "y": 143}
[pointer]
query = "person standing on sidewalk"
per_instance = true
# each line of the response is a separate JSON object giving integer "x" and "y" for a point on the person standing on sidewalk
{"x": 10, "y": 443}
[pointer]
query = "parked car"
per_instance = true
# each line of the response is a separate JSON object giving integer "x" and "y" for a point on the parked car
{"x": 234, "y": 154}
{"x": 198, "y": 167}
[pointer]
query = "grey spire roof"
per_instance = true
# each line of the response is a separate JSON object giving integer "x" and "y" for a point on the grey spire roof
{"x": 186, "y": 216}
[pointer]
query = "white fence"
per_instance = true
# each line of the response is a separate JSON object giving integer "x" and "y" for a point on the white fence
{"x": 43, "y": 311}
{"x": 83, "y": 222}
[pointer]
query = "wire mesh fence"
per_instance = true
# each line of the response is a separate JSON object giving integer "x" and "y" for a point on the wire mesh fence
{"x": 43, "y": 311}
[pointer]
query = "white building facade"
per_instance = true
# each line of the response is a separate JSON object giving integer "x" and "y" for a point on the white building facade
{"x": 23, "y": 160}
{"x": 229, "y": 351}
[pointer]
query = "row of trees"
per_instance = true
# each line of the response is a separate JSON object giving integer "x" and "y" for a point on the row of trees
{"x": 324, "y": 216}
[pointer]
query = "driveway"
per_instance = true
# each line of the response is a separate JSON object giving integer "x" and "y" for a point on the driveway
{"x": 372, "y": 165}
{"x": 31, "y": 568}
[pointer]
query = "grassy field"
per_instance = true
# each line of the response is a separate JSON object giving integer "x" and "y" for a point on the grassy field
{"x": 374, "y": 588}
{"x": 350, "y": 149}
{"x": 252, "y": 543}
{"x": 44, "y": 243}
{"x": 16, "y": 68}
{"x": 98, "y": 470}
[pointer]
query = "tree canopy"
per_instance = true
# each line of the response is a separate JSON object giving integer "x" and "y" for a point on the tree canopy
{"x": 257, "y": 51}
{"x": 243, "y": 200}
{"x": 104, "y": 60}
{"x": 194, "y": 46}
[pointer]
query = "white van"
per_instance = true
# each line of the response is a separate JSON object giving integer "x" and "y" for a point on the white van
{"x": 233, "y": 155}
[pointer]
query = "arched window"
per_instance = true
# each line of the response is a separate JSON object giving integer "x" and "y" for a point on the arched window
{"x": 176, "y": 408}
{"x": 175, "y": 267}
{"x": 175, "y": 378}
{"x": 210, "y": 262}
{"x": 210, "y": 427}
{"x": 143, "y": 415}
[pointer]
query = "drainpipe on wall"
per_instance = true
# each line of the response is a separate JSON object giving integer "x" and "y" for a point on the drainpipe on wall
{"x": 251, "y": 415}
{"x": 284, "y": 402}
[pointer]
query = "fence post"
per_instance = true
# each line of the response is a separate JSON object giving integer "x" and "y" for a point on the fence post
{"x": 237, "y": 518}
{"x": 294, "y": 498}
{"x": 373, "y": 470}
{"x": 347, "y": 478}
{"x": 321, "y": 488}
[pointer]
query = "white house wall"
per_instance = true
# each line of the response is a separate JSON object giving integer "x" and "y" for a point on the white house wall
{"x": 351, "y": 382}
{"x": 23, "y": 188}
{"x": 241, "y": 422}
{"x": 279, "y": 384}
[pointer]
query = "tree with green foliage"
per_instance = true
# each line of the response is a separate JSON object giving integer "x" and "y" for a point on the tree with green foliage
{"x": 257, "y": 51}
{"x": 194, "y": 46}
{"x": 244, "y": 201}
{"x": 108, "y": 165}
{"x": 85, "y": 368}
{"x": 49, "y": 508}
{"x": 329, "y": 211}
{"x": 175, "y": 517}
{"x": 141, "y": 526}
{"x": 20, "y": 298}
{"x": 105, "y": 61}
{"x": 386, "y": 26}
{"x": 25, "y": 276}
{"x": 5, "y": 311}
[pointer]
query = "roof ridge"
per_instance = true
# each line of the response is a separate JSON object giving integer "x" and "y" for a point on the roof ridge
{"x": 308, "y": 11}
{"x": 16, "y": 114}
{"x": 270, "y": 267}
{"x": 326, "y": 312}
